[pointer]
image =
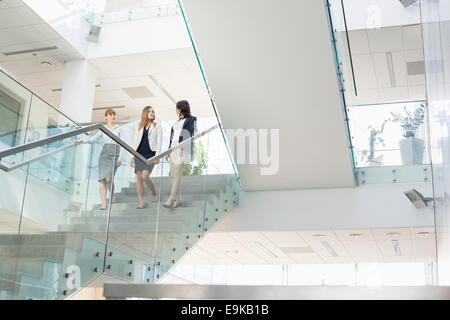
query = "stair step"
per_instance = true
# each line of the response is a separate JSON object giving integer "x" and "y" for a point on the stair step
{"x": 127, "y": 198}
{"x": 33, "y": 268}
{"x": 128, "y": 218}
{"x": 53, "y": 253}
{"x": 151, "y": 206}
{"x": 67, "y": 239}
{"x": 123, "y": 227}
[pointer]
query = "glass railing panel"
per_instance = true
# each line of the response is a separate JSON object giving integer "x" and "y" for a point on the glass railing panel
{"x": 342, "y": 47}
{"x": 132, "y": 227}
{"x": 24, "y": 117}
{"x": 12, "y": 188}
{"x": 55, "y": 168}
{"x": 394, "y": 174}
{"x": 180, "y": 225}
{"x": 52, "y": 237}
{"x": 45, "y": 121}
{"x": 343, "y": 59}
{"x": 222, "y": 194}
{"x": 121, "y": 11}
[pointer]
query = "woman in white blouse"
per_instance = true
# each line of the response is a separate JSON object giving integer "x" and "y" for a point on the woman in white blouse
{"x": 147, "y": 142}
{"x": 184, "y": 128}
{"x": 109, "y": 159}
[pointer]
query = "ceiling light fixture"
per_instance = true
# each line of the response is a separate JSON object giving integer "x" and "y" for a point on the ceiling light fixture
{"x": 33, "y": 51}
{"x": 46, "y": 64}
{"x": 329, "y": 248}
{"x": 392, "y": 234}
{"x": 259, "y": 244}
{"x": 396, "y": 246}
{"x": 355, "y": 235}
{"x": 423, "y": 234}
{"x": 319, "y": 235}
{"x": 390, "y": 65}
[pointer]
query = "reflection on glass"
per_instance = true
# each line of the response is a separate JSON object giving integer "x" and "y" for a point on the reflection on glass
{"x": 99, "y": 12}
{"x": 389, "y": 134}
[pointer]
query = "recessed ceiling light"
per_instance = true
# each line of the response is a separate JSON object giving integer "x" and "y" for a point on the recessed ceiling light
{"x": 318, "y": 235}
{"x": 329, "y": 248}
{"x": 355, "y": 235}
{"x": 392, "y": 234}
{"x": 423, "y": 233}
{"x": 46, "y": 64}
{"x": 259, "y": 244}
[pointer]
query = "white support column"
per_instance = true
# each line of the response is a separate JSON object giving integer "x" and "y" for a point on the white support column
{"x": 78, "y": 90}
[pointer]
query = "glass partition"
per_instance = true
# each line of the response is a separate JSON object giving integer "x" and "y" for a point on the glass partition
{"x": 380, "y": 73}
{"x": 436, "y": 31}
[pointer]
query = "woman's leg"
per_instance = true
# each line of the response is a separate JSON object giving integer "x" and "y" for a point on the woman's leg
{"x": 150, "y": 184}
{"x": 176, "y": 170}
{"x": 110, "y": 187}
{"x": 103, "y": 192}
{"x": 140, "y": 188}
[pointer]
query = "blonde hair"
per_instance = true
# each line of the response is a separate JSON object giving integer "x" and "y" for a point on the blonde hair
{"x": 145, "y": 121}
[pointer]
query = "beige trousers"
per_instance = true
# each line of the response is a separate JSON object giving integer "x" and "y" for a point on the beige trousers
{"x": 176, "y": 171}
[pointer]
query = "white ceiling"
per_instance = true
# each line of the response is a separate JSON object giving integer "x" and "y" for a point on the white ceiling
{"x": 176, "y": 71}
{"x": 22, "y": 29}
{"x": 369, "y": 49}
{"x": 306, "y": 247}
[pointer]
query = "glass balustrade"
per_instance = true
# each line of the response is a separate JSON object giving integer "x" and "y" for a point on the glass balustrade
{"x": 100, "y": 12}
{"x": 388, "y": 132}
{"x": 56, "y": 238}
{"x": 24, "y": 118}
{"x": 47, "y": 257}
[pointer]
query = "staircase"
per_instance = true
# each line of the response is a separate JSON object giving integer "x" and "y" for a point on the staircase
{"x": 142, "y": 244}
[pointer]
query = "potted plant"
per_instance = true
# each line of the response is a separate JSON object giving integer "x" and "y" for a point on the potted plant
{"x": 368, "y": 156}
{"x": 411, "y": 148}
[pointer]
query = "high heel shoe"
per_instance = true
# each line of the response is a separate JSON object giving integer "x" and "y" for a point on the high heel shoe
{"x": 175, "y": 204}
{"x": 168, "y": 204}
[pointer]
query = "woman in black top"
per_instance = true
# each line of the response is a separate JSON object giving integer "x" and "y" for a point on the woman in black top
{"x": 184, "y": 128}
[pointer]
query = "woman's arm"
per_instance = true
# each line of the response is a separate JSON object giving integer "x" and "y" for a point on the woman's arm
{"x": 92, "y": 139}
{"x": 171, "y": 137}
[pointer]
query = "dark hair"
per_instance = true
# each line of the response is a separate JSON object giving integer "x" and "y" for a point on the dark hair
{"x": 184, "y": 107}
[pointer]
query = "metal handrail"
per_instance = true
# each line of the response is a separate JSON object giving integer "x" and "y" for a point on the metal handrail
{"x": 65, "y": 135}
